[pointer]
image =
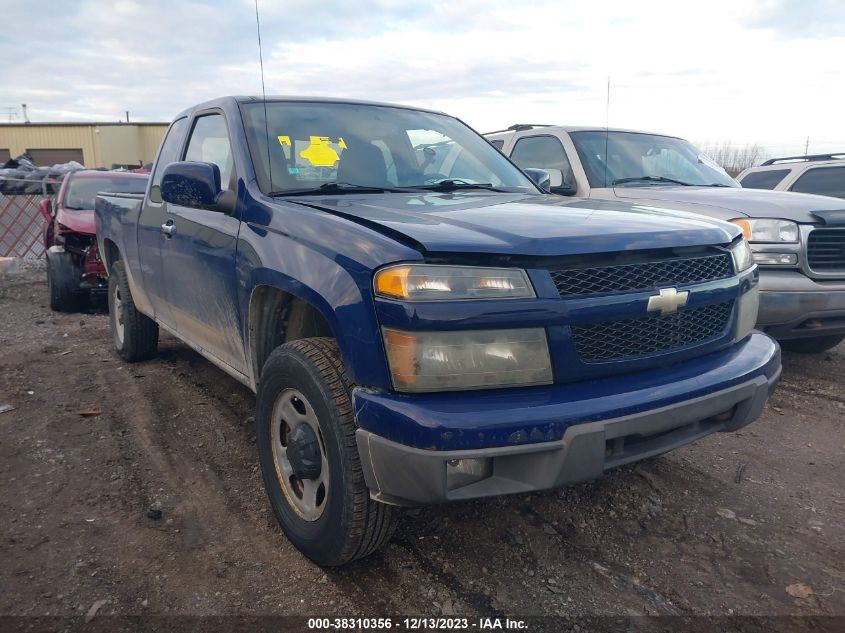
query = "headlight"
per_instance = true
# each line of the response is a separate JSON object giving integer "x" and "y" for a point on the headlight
{"x": 468, "y": 359}
{"x": 430, "y": 282}
{"x": 766, "y": 230}
{"x": 742, "y": 256}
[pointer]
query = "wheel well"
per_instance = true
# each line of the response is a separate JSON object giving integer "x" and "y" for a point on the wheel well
{"x": 277, "y": 317}
{"x": 111, "y": 253}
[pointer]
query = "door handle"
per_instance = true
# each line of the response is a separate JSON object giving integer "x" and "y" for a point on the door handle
{"x": 168, "y": 228}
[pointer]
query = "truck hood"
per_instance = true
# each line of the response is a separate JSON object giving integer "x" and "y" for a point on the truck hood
{"x": 733, "y": 202}
{"x": 78, "y": 221}
{"x": 519, "y": 224}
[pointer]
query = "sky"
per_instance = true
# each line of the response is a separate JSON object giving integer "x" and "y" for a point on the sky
{"x": 743, "y": 71}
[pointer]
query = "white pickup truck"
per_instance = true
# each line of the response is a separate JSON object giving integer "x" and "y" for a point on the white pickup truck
{"x": 798, "y": 239}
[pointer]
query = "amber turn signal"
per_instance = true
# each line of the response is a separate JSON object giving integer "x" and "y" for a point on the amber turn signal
{"x": 745, "y": 225}
{"x": 393, "y": 282}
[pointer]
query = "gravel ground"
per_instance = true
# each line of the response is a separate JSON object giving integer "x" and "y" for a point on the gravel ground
{"x": 750, "y": 523}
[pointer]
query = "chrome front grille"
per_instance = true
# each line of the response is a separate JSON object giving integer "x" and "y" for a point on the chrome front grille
{"x": 826, "y": 250}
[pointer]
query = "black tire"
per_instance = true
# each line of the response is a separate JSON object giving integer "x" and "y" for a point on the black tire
{"x": 812, "y": 345}
{"x": 351, "y": 525}
{"x": 135, "y": 335}
{"x": 63, "y": 279}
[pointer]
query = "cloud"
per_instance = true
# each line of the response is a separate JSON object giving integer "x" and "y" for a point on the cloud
{"x": 729, "y": 70}
{"x": 814, "y": 19}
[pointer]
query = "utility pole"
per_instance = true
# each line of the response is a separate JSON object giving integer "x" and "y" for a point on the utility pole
{"x": 127, "y": 116}
{"x": 806, "y": 146}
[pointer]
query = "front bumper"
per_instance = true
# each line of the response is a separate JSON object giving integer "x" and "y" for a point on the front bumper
{"x": 631, "y": 421}
{"x": 794, "y": 306}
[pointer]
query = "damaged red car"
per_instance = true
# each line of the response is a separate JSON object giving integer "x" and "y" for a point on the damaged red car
{"x": 74, "y": 268}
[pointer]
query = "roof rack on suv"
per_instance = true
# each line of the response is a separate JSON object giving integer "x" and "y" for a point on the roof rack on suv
{"x": 519, "y": 127}
{"x": 808, "y": 158}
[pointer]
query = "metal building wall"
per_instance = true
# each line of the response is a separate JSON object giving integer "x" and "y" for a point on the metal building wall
{"x": 102, "y": 145}
{"x": 19, "y": 138}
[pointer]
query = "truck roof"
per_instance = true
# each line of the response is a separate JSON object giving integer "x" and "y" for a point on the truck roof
{"x": 99, "y": 173}
{"x": 520, "y": 127}
{"x": 222, "y": 102}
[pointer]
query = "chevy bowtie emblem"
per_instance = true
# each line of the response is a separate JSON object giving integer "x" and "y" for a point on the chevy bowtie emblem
{"x": 668, "y": 301}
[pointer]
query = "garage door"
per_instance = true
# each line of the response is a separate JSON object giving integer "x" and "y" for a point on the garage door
{"x": 48, "y": 157}
{"x": 4, "y": 156}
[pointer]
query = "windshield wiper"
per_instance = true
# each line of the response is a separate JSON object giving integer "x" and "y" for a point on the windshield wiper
{"x": 620, "y": 181}
{"x": 455, "y": 184}
{"x": 337, "y": 188}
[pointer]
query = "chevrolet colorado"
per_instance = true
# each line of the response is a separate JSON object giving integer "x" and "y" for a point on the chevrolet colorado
{"x": 417, "y": 336}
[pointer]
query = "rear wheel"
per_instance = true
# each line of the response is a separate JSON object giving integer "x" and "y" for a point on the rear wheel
{"x": 63, "y": 278}
{"x": 135, "y": 335}
{"x": 812, "y": 345}
{"x": 305, "y": 431}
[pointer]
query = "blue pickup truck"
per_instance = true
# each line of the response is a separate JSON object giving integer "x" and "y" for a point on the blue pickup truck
{"x": 415, "y": 336}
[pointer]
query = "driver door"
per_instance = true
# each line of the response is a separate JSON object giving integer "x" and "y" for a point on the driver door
{"x": 199, "y": 254}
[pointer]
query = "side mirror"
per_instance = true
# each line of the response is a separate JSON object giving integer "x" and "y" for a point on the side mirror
{"x": 540, "y": 177}
{"x": 195, "y": 185}
{"x": 556, "y": 184}
{"x": 46, "y": 209}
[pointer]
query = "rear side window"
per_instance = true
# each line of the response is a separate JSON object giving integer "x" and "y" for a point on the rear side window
{"x": 768, "y": 179}
{"x": 169, "y": 153}
{"x": 542, "y": 152}
{"x": 210, "y": 144}
{"x": 825, "y": 181}
{"x": 498, "y": 143}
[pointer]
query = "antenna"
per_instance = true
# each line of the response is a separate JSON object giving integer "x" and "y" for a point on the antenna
{"x": 11, "y": 112}
{"x": 263, "y": 94}
{"x": 606, "y": 129}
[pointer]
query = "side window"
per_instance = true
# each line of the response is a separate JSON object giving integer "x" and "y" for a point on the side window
{"x": 209, "y": 143}
{"x": 498, "y": 144}
{"x": 169, "y": 153}
{"x": 766, "y": 179}
{"x": 826, "y": 181}
{"x": 542, "y": 152}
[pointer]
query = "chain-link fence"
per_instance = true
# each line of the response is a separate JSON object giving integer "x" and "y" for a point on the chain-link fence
{"x": 21, "y": 223}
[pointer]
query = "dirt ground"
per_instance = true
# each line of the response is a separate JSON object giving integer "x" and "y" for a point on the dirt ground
{"x": 746, "y": 523}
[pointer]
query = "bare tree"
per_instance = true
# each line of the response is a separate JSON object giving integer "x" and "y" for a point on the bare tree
{"x": 735, "y": 158}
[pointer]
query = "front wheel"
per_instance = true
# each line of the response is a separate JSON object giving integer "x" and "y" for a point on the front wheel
{"x": 305, "y": 432}
{"x": 812, "y": 345}
{"x": 63, "y": 278}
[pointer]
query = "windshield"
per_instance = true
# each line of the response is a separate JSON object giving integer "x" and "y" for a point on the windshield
{"x": 324, "y": 144}
{"x": 645, "y": 160}
{"x": 81, "y": 192}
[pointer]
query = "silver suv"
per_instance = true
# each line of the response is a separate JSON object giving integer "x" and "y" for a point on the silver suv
{"x": 798, "y": 239}
{"x": 822, "y": 174}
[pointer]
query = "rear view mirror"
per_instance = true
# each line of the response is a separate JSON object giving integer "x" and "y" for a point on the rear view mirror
{"x": 558, "y": 186}
{"x": 540, "y": 178}
{"x": 195, "y": 185}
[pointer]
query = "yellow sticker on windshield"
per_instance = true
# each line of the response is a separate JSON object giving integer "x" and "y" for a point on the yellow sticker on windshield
{"x": 284, "y": 140}
{"x": 319, "y": 153}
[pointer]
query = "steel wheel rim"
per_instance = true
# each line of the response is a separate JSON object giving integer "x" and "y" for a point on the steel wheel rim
{"x": 117, "y": 314}
{"x": 307, "y": 497}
